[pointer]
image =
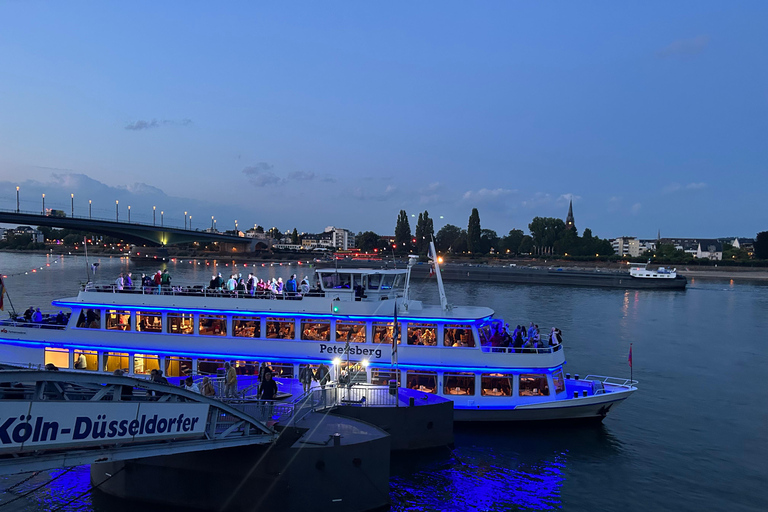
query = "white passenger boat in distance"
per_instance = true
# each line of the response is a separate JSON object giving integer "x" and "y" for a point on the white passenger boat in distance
{"x": 347, "y": 323}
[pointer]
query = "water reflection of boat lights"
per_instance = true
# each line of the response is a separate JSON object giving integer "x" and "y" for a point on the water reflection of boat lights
{"x": 65, "y": 488}
{"x": 485, "y": 486}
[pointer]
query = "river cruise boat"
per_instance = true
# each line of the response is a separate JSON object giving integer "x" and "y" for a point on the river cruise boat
{"x": 346, "y": 323}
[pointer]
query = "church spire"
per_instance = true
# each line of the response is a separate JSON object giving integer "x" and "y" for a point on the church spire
{"x": 569, "y": 223}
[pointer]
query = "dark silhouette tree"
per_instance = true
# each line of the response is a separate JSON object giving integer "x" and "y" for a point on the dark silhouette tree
{"x": 368, "y": 241}
{"x": 446, "y": 238}
{"x": 510, "y": 244}
{"x": 402, "y": 233}
{"x": 295, "y": 237}
{"x": 474, "y": 232}
{"x": 425, "y": 230}
{"x": 489, "y": 240}
{"x": 761, "y": 245}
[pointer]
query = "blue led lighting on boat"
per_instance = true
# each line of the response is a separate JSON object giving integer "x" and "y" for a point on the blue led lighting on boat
{"x": 209, "y": 311}
{"x": 313, "y": 360}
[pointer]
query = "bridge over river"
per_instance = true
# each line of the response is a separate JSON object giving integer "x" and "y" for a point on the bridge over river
{"x": 134, "y": 232}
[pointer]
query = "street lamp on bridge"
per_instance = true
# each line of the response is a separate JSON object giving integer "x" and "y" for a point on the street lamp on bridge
{"x": 129, "y": 214}
{"x": 161, "y": 218}
{"x": 73, "y": 204}
{"x": 154, "y": 209}
{"x": 190, "y": 223}
{"x": 43, "y": 204}
{"x": 211, "y": 222}
{"x": 185, "y": 220}
{"x": 117, "y": 212}
{"x": 89, "y": 209}
{"x": 17, "y": 199}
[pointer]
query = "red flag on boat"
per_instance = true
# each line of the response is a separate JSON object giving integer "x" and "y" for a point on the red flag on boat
{"x": 629, "y": 358}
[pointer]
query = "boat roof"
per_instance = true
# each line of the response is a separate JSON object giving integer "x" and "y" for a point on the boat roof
{"x": 358, "y": 270}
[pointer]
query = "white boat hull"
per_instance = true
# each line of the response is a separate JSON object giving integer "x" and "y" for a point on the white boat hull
{"x": 591, "y": 407}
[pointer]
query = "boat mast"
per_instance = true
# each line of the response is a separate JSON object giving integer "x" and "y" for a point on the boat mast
{"x": 440, "y": 288}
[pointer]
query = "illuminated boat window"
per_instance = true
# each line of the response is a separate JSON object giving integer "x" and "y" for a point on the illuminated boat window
{"x": 422, "y": 334}
{"x": 210, "y": 366}
{"x": 382, "y": 376}
{"x": 180, "y": 323}
{"x": 212, "y": 325}
{"x": 86, "y": 360}
{"x": 118, "y": 320}
{"x": 350, "y": 331}
{"x": 496, "y": 384}
{"x": 356, "y": 372}
{"x": 245, "y": 367}
{"x": 421, "y": 381}
{"x": 59, "y": 357}
{"x": 383, "y": 332}
{"x": 178, "y": 366}
{"x": 149, "y": 321}
{"x": 557, "y": 377}
{"x": 281, "y": 328}
{"x": 315, "y": 330}
{"x": 459, "y": 383}
{"x": 89, "y": 319}
{"x": 533, "y": 384}
{"x": 145, "y": 363}
{"x": 284, "y": 370}
{"x": 246, "y": 326}
{"x": 115, "y": 361}
{"x": 458, "y": 336}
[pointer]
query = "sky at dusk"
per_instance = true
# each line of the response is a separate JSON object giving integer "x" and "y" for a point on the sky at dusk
{"x": 649, "y": 115}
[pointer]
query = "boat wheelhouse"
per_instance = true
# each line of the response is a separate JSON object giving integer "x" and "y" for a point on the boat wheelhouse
{"x": 348, "y": 322}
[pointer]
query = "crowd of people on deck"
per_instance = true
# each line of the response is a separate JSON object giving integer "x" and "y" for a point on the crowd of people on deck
{"x": 33, "y": 315}
{"x": 522, "y": 339}
{"x": 253, "y": 286}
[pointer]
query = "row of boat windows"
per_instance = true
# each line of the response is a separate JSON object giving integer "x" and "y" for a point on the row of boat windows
{"x": 311, "y": 329}
{"x": 447, "y": 383}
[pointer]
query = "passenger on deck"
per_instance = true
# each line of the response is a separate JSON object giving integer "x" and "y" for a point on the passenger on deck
{"x": 37, "y": 317}
{"x": 28, "y": 313}
{"x": 240, "y": 284}
{"x": 280, "y": 286}
{"x": 230, "y": 381}
{"x": 291, "y": 287}
{"x": 536, "y": 337}
{"x": 306, "y": 376}
{"x": 250, "y": 285}
{"x": 212, "y": 284}
{"x": 304, "y": 286}
{"x": 189, "y": 385}
{"x": 207, "y": 388}
{"x": 119, "y": 282}
{"x": 128, "y": 282}
{"x": 165, "y": 278}
{"x": 146, "y": 282}
{"x": 61, "y": 318}
{"x": 268, "y": 387}
{"x": 80, "y": 363}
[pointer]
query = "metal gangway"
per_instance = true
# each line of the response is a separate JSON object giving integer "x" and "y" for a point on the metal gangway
{"x": 58, "y": 419}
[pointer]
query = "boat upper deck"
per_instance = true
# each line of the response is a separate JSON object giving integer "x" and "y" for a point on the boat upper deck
{"x": 318, "y": 302}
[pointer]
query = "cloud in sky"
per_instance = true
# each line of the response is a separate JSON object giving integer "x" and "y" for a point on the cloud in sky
{"x": 486, "y": 194}
{"x": 154, "y": 123}
{"x": 676, "y": 187}
{"x": 262, "y": 174}
{"x": 684, "y": 47}
{"x": 636, "y": 208}
{"x": 565, "y": 198}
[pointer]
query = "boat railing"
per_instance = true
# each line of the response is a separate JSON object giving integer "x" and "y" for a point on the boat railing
{"x": 49, "y": 322}
{"x": 199, "y": 290}
{"x": 523, "y": 350}
{"x": 612, "y": 381}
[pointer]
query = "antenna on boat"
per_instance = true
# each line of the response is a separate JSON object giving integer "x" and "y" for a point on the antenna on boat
{"x": 440, "y": 288}
{"x": 87, "y": 267}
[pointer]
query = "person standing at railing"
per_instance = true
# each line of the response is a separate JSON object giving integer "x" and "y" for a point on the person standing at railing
{"x": 128, "y": 282}
{"x": 268, "y": 392}
{"x": 119, "y": 282}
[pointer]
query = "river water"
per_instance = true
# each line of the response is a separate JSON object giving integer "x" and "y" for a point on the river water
{"x": 693, "y": 437}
